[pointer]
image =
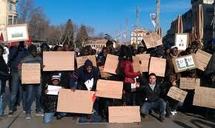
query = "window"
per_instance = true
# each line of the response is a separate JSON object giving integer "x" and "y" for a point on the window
{"x": 10, "y": 20}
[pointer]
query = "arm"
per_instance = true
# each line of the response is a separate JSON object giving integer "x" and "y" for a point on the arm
{"x": 128, "y": 72}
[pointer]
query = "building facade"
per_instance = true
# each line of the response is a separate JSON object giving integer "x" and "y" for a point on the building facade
{"x": 189, "y": 20}
{"x": 137, "y": 36}
{"x": 96, "y": 43}
{"x": 8, "y": 14}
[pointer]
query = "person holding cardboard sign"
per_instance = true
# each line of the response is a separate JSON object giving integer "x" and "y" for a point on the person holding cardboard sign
{"x": 85, "y": 78}
{"x": 126, "y": 67}
{"x": 32, "y": 90}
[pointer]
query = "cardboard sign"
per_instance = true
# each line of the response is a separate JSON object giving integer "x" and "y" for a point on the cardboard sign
{"x": 152, "y": 40}
{"x": 111, "y": 64}
{"x": 104, "y": 74}
{"x": 17, "y": 33}
{"x": 81, "y": 60}
{"x": 204, "y": 97}
{"x": 177, "y": 94}
{"x": 124, "y": 114}
{"x": 31, "y": 73}
{"x": 141, "y": 62}
{"x": 157, "y": 66}
{"x": 189, "y": 83}
{"x": 58, "y": 61}
{"x": 75, "y": 102}
{"x": 181, "y": 41}
{"x": 184, "y": 63}
{"x": 202, "y": 59}
{"x": 109, "y": 89}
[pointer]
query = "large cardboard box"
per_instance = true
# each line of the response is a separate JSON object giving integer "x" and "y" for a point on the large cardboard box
{"x": 157, "y": 66}
{"x": 152, "y": 40}
{"x": 109, "y": 89}
{"x": 204, "y": 97}
{"x": 177, "y": 94}
{"x": 31, "y": 73}
{"x": 202, "y": 59}
{"x": 189, "y": 83}
{"x": 111, "y": 64}
{"x": 81, "y": 60}
{"x": 124, "y": 114}
{"x": 79, "y": 101}
{"x": 58, "y": 61}
{"x": 184, "y": 63}
{"x": 141, "y": 62}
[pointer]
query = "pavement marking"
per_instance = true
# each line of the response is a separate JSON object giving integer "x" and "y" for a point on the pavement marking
{"x": 15, "y": 118}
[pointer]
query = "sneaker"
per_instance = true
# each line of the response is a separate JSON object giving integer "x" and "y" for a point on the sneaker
{"x": 174, "y": 112}
{"x": 28, "y": 116}
{"x": 10, "y": 114}
{"x": 39, "y": 114}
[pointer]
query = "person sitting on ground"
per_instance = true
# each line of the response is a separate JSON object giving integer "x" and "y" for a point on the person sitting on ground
{"x": 152, "y": 97}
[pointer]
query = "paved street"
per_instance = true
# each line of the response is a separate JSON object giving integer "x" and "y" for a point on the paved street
{"x": 180, "y": 121}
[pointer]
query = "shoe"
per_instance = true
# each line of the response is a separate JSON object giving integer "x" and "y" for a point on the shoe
{"x": 39, "y": 114}
{"x": 174, "y": 112}
{"x": 58, "y": 117}
{"x": 10, "y": 114}
{"x": 28, "y": 116}
{"x": 161, "y": 118}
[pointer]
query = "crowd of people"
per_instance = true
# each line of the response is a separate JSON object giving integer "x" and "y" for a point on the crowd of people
{"x": 150, "y": 91}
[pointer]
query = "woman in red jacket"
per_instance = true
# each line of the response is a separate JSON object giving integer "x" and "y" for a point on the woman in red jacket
{"x": 126, "y": 66}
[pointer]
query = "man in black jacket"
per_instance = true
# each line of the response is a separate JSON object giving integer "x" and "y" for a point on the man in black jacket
{"x": 152, "y": 100}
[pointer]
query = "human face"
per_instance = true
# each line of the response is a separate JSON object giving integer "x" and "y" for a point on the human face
{"x": 55, "y": 82}
{"x": 175, "y": 52}
{"x": 89, "y": 69}
{"x": 152, "y": 79}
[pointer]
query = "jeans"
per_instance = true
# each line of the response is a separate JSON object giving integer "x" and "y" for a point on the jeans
{"x": 15, "y": 88}
{"x": 32, "y": 91}
{"x": 2, "y": 98}
{"x": 48, "y": 117}
{"x": 159, "y": 104}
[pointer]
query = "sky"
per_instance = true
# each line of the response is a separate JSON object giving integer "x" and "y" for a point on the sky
{"x": 111, "y": 16}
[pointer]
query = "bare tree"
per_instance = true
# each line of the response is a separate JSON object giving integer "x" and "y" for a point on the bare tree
{"x": 25, "y": 8}
{"x": 55, "y": 34}
{"x": 38, "y": 25}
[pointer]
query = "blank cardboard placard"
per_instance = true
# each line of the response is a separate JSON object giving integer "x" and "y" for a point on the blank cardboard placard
{"x": 75, "y": 102}
{"x": 111, "y": 64}
{"x": 189, "y": 83}
{"x": 141, "y": 62}
{"x": 18, "y": 32}
{"x": 177, "y": 94}
{"x": 104, "y": 74}
{"x": 109, "y": 89}
{"x": 152, "y": 40}
{"x": 181, "y": 41}
{"x": 31, "y": 73}
{"x": 204, "y": 97}
{"x": 202, "y": 59}
{"x": 184, "y": 63}
{"x": 58, "y": 61}
{"x": 124, "y": 114}
{"x": 157, "y": 66}
{"x": 81, "y": 60}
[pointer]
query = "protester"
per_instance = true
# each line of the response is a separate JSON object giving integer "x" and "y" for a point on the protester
{"x": 152, "y": 99}
{"x": 32, "y": 90}
{"x": 16, "y": 54}
{"x": 4, "y": 75}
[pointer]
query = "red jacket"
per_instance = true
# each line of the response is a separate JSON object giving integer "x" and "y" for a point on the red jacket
{"x": 128, "y": 70}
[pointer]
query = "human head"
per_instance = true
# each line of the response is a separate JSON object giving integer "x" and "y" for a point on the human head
{"x": 174, "y": 50}
{"x": 88, "y": 65}
{"x": 55, "y": 79}
{"x": 44, "y": 47}
{"x": 152, "y": 78}
{"x": 32, "y": 49}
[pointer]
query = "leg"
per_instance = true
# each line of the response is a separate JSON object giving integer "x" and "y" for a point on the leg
{"x": 48, "y": 117}
{"x": 146, "y": 108}
{"x": 29, "y": 97}
{"x": 38, "y": 98}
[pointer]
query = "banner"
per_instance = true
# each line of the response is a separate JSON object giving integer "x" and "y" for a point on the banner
{"x": 181, "y": 41}
{"x": 157, "y": 66}
{"x": 177, "y": 94}
{"x": 17, "y": 32}
{"x": 141, "y": 62}
{"x": 189, "y": 83}
{"x": 202, "y": 59}
{"x": 111, "y": 64}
